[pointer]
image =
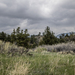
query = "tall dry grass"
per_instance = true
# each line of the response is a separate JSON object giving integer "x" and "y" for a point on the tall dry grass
{"x": 20, "y": 68}
{"x": 11, "y": 49}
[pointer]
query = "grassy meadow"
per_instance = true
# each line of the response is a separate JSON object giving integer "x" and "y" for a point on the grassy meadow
{"x": 34, "y": 62}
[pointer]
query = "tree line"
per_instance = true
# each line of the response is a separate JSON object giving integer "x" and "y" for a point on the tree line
{"x": 23, "y": 38}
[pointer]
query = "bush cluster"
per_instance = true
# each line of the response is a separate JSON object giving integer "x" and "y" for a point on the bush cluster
{"x": 11, "y": 49}
{"x": 70, "y": 46}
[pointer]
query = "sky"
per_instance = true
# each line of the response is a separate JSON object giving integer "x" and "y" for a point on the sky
{"x": 36, "y": 15}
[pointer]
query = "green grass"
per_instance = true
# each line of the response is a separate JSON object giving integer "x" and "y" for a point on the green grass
{"x": 38, "y": 64}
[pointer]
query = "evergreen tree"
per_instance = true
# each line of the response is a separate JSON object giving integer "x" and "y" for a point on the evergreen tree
{"x": 26, "y": 38}
{"x": 18, "y": 30}
{"x": 8, "y": 38}
{"x": 66, "y": 35}
{"x": 48, "y": 37}
{"x": 33, "y": 41}
{"x": 2, "y": 36}
{"x": 39, "y": 34}
{"x": 22, "y": 38}
{"x": 21, "y": 31}
{"x": 13, "y": 36}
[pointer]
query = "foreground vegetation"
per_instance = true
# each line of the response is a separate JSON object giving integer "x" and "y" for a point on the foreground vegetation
{"x": 43, "y": 63}
{"x": 16, "y": 60}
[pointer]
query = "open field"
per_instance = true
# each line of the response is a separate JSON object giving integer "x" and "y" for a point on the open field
{"x": 43, "y": 63}
{"x": 37, "y": 62}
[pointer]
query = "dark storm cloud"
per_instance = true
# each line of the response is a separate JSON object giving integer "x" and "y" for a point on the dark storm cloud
{"x": 5, "y": 21}
{"x": 19, "y": 9}
{"x": 35, "y": 15}
{"x": 64, "y": 15}
{"x": 7, "y": 24}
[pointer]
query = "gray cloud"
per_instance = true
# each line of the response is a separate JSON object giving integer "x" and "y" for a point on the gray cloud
{"x": 35, "y": 15}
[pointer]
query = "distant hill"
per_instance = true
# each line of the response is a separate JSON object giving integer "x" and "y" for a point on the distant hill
{"x": 69, "y": 33}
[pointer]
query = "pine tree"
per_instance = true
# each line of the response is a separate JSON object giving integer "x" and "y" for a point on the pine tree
{"x": 8, "y": 38}
{"x": 33, "y": 41}
{"x": 13, "y": 36}
{"x": 48, "y": 37}
{"x": 18, "y": 30}
{"x": 2, "y": 36}
{"x": 22, "y": 38}
{"x": 26, "y": 38}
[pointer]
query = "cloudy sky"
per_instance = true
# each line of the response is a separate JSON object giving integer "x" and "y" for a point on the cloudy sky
{"x": 36, "y": 15}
